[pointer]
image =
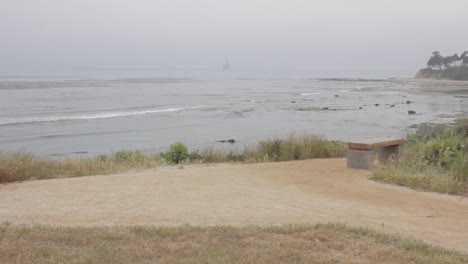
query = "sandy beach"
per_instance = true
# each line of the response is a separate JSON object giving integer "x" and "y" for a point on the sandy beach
{"x": 310, "y": 191}
{"x": 437, "y": 87}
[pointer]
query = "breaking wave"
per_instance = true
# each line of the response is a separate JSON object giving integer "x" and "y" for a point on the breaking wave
{"x": 100, "y": 115}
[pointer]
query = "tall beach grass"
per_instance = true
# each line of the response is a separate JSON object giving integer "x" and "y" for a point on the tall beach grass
{"x": 436, "y": 159}
{"x": 20, "y": 166}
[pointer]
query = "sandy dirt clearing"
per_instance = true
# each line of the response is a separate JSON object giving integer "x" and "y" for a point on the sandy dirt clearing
{"x": 311, "y": 191}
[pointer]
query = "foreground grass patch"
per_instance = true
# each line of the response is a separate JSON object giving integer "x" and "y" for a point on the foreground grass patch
{"x": 436, "y": 160}
{"x": 20, "y": 166}
{"x": 322, "y": 243}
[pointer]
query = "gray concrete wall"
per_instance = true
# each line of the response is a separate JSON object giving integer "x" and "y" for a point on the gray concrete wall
{"x": 360, "y": 159}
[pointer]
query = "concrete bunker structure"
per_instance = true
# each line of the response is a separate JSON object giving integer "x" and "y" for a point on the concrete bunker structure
{"x": 361, "y": 153}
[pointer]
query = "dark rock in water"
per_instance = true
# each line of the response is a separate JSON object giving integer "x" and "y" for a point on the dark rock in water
{"x": 376, "y": 104}
{"x": 80, "y": 152}
{"x": 392, "y": 105}
{"x": 414, "y": 126}
{"x": 293, "y": 102}
{"x": 232, "y": 141}
{"x": 337, "y": 95}
{"x": 408, "y": 102}
{"x": 310, "y": 108}
{"x": 411, "y": 112}
{"x": 360, "y": 107}
{"x": 325, "y": 108}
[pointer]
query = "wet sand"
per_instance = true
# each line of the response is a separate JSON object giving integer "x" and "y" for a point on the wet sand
{"x": 438, "y": 87}
{"x": 309, "y": 191}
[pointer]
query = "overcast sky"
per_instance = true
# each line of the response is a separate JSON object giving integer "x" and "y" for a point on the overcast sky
{"x": 252, "y": 34}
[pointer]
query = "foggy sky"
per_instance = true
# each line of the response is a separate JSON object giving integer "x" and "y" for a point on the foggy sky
{"x": 252, "y": 34}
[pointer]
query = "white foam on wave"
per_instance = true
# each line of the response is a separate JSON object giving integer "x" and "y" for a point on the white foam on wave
{"x": 307, "y": 94}
{"x": 93, "y": 116}
{"x": 344, "y": 91}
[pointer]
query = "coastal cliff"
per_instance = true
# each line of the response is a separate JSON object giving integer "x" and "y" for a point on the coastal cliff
{"x": 451, "y": 73}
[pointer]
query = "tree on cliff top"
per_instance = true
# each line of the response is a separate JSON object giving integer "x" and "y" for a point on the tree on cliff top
{"x": 440, "y": 62}
{"x": 464, "y": 58}
{"x": 436, "y": 60}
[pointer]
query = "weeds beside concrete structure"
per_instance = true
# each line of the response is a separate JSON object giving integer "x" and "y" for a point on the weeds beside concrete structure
{"x": 361, "y": 153}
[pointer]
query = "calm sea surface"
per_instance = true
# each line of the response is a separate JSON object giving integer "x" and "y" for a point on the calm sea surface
{"x": 90, "y": 115}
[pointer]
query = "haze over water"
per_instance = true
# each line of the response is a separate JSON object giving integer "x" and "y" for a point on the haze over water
{"x": 71, "y": 81}
{"x": 90, "y": 114}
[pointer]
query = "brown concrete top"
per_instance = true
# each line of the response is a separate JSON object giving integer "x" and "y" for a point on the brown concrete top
{"x": 369, "y": 144}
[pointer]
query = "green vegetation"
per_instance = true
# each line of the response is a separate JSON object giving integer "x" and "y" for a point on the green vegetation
{"x": 451, "y": 67}
{"x": 294, "y": 147}
{"x": 322, "y": 243}
{"x": 20, "y": 166}
{"x": 176, "y": 154}
{"x": 436, "y": 159}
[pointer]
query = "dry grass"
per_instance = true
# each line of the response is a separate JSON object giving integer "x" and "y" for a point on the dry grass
{"x": 20, "y": 166}
{"x": 293, "y": 147}
{"x": 329, "y": 243}
{"x": 420, "y": 175}
{"x": 297, "y": 147}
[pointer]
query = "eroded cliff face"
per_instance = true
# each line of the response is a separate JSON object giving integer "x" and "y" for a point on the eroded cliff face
{"x": 451, "y": 73}
{"x": 428, "y": 73}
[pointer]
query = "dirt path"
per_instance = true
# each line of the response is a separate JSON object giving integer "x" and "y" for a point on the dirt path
{"x": 272, "y": 193}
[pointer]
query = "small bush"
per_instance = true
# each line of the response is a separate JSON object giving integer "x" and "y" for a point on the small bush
{"x": 442, "y": 151}
{"x": 177, "y": 153}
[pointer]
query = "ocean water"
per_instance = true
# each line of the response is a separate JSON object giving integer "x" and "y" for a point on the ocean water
{"x": 94, "y": 114}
